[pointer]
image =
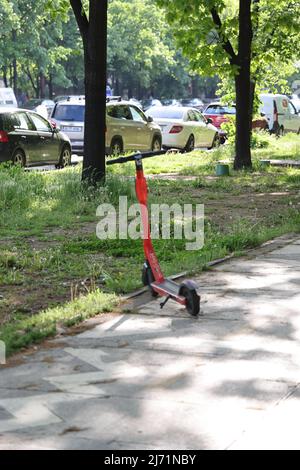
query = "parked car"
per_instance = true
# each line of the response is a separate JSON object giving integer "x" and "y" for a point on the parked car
{"x": 193, "y": 103}
{"x": 281, "y": 114}
{"x": 41, "y": 106}
{"x": 296, "y": 102}
{"x": 68, "y": 116}
{"x": 26, "y": 138}
{"x": 127, "y": 127}
{"x": 149, "y": 103}
{"x": 170, "y": 102}
{"x": 68, "y": 97}
{"x": 220, "y": 113}
{"x": 136, "y": 102}
{"x": 8, "y": 98}
{"x": 184, "y": 128}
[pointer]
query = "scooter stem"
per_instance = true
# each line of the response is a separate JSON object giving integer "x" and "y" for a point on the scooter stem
{"x": 141, "y": 189}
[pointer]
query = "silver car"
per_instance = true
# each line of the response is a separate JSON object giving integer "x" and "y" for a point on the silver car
{"x": 68, "y": 115}
{"x": 127, "y": 127}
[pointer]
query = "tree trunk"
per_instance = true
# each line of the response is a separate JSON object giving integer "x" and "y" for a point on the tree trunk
{"x": 195, "y": 87}
{"x": 94, "y": 36}
{"x": 35, "y": 89}
{"x": 117, "y": 87}
{"x": 50, "y": 86}
{"x": 243, "y": 89}
{"x": 11, "y": 75}
{"x": 252, "y": 96}
{"x": 42, "y": 85}
{"x": 14, "y": 65}
{"x": 15, "y": 77}
{"x": 42, "y": 80}
{"x": 38, "y": 86}
{"x": 5, "y": 76}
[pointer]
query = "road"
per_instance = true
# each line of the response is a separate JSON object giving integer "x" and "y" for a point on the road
{"x": 75, "y": 160}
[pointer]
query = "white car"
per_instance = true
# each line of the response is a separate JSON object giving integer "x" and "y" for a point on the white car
{"x": 41, "y": 106}
{"x": 8, "y": 98}
{"x": 296, "y": 102}
{"x": 184, "y": 128}
{"x": 281, "y": 114}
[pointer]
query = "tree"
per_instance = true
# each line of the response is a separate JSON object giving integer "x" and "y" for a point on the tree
{"x": 33, "y": 49}
{"x": 93, "y": 30}
{"x": 236, "y": 39}
{"x": 139, "y": 47}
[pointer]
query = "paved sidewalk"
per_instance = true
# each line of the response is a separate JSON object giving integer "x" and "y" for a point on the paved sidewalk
{"x": 162, "y": 380}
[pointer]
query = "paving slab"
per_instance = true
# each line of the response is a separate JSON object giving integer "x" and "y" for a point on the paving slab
{"x": 160, "y": 379}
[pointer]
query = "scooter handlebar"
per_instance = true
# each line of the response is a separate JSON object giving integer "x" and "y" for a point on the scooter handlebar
{"x": 135, "y": 156}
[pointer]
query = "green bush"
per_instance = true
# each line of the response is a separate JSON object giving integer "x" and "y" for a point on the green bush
{"x": 260, "y": 139}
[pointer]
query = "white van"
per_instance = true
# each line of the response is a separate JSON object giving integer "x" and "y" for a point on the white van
{"x": 281, "y": 114}
{"x": 7, "y": 98}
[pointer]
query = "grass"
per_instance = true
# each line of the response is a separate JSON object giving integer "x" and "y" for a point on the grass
{"x": 55, "y": 271}
{"x": 25, "y": 331}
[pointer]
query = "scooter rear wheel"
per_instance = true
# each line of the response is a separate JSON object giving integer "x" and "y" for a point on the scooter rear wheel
{"x": 192, "y": 300}
{"x": 148, "y": 278}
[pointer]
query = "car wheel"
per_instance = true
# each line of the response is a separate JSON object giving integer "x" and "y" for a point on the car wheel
{"x": 156, "y": 144}
{"x": 19, "y": 158}
{"x": 65, "y": 157}
{"x": 275, "y": 128}
{"x": 116, "y": 147}
{"x": 216, "y": 142}
{"x": 190, "y": 145}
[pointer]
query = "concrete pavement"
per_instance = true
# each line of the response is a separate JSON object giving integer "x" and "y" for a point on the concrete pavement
{"x": 151, "y": 379}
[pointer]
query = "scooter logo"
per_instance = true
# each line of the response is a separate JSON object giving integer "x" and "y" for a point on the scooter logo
{"x": 2, "y": 353}
{"x": 160, "y": 221}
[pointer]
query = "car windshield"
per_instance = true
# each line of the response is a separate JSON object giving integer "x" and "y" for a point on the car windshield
{"x": 69, "y": 112}
{"x": 166, "y": 113}
{"x": 221, "y": 110}
{"x": 147, "y": 102}
{"x": 32, "y": 103}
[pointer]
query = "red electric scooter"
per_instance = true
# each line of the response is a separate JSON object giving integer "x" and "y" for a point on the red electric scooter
{"x": 152, "y": 276}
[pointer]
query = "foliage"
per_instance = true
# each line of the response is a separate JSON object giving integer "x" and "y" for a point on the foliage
{"x": 44, "y": 40}
{"x": 37, "y": 46}
{"x": 276, "y": 36}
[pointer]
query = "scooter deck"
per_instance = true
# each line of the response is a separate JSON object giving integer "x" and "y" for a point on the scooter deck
{"x": 167, "y": 285}
{"x": 168, "y": 288}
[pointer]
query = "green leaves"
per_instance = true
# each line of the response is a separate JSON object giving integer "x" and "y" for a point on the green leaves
{"x": 276, "y": 39}
{"x": 138, "y": 39}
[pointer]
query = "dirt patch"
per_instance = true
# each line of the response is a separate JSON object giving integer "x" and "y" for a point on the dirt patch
{"x": 254, "y": 207}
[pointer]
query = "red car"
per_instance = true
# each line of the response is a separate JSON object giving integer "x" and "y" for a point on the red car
{"x": 219, "y": 113}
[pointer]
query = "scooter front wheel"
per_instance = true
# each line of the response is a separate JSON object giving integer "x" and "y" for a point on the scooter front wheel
{"x": 148, "y": 278}
{"x": 192, "y": 300}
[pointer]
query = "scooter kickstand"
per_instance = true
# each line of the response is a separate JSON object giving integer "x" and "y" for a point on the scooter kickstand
{"x": 162, "y": 304}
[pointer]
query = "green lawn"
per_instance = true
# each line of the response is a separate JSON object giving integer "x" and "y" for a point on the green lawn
{"x": 53, "y": 268}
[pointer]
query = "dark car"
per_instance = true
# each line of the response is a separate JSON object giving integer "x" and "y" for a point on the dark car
{"x": 26, "y": 138}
